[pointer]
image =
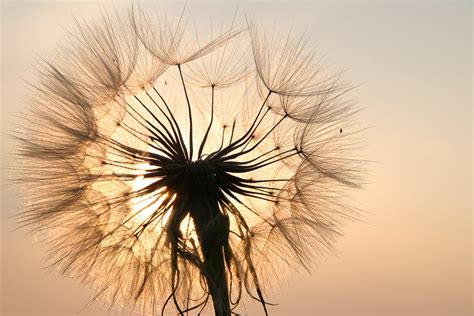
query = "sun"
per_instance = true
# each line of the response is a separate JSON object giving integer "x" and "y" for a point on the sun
{"x": 144, "y": 207}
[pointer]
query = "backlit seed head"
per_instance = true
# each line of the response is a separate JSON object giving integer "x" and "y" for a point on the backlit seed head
{"x": 169, "y": 171}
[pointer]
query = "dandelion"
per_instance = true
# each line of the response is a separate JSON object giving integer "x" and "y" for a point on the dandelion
{"x": 169, "y": 171}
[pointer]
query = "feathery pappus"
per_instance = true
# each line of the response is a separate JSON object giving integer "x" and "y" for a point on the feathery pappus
{"x": 177, "y": 171}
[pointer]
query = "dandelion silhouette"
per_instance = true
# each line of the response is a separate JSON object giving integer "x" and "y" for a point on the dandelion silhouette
{"x": 168, "y": 171}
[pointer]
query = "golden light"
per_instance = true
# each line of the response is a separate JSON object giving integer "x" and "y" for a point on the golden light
{"x": 143, "y": 207}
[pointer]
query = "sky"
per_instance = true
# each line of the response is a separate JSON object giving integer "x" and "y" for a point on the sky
{"x": 412, "y": 64}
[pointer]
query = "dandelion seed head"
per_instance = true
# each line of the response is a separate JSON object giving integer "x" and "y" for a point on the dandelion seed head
{"x": 172, "y": 172}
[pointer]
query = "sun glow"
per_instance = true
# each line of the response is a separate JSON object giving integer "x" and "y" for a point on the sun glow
{"x": 145, "y": 206}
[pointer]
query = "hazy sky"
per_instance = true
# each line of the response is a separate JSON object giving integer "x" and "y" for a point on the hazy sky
{"x": 413, "y": 63}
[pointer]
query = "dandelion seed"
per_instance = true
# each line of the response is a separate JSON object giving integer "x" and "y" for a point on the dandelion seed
{"x": 169, "y": 172}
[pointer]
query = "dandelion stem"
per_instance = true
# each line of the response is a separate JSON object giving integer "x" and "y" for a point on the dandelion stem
{"x": 178, "y": 140}
{"x": 263, "y": 138}
{"x": 190, "y": 158}
{"x": 232, "y": 132}
{"x": 180, "y": 135}
{"x": 258, "y": 143}
{"x": 220, "y": 153}
{"x": 210, "y": 124}
{"x": 148, "y": 126}
{"x": 153, "y": 115}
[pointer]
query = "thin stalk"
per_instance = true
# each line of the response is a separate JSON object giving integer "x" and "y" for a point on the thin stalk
{"x": 189, "y": 114}
{"x": 180, "y": 135}
{"x": 210, "y": 124}
{"x": 233, "y": 145}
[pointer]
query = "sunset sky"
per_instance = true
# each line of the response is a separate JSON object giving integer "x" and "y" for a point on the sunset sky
{"x": 412, "y": 63}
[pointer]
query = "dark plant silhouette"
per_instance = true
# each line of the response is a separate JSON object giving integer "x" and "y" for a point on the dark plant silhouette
{"x": 166, "y": 170}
